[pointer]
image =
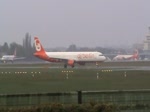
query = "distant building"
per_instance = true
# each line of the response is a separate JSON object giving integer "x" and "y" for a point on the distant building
{"x": 146, "y": 46}
{"x": 139, "y": 46}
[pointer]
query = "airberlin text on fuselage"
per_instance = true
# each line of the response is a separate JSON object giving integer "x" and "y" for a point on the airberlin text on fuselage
{"x": 85, "y": 56}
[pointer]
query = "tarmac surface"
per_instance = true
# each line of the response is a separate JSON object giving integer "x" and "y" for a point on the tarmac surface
{"x": 116, "y": 66}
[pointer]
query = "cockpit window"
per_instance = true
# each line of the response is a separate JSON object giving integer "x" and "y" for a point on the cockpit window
{"x": 101, "y": 55}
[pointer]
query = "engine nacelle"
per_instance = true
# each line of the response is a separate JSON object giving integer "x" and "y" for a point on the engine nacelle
{"x": 71, "y": 63}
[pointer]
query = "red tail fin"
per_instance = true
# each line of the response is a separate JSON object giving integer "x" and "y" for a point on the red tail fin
{"x": 136, "y": 55}
{"x": 40, "y": 52}
{"x": 38, "y": 46}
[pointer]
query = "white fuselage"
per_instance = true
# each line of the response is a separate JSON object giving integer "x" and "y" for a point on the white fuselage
{"x": 77, "y": 56}
{"x": 69, "y": 58}
{"x": 8, "y": 58}
{"x": 122, "y": 57}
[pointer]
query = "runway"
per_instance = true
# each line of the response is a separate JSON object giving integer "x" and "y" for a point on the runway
{"x": 115, "y": 66}
{"x": 25, "y": 78}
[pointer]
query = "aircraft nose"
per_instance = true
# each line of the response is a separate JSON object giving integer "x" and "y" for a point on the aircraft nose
{"x": 104, "y": 58}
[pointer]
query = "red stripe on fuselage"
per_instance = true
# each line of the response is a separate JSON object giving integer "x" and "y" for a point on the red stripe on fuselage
{"x": 45, "y": 57}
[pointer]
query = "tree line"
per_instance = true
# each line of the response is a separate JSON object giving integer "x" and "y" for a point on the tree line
{"x": 25, "y": 50}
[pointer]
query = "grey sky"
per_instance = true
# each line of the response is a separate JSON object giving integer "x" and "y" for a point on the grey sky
{"x": 82, "y": 22}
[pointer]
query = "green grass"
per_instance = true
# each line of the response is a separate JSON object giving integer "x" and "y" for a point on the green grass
{"x": 41, "y": 80}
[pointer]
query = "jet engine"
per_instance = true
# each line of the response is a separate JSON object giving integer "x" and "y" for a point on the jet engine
{"x": 71, "y": 63}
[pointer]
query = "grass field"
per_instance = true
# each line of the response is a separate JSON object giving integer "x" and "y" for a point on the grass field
{"x": 41, "y": 80}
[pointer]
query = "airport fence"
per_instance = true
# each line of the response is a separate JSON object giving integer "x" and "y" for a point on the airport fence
{"x": 128, "y": 97}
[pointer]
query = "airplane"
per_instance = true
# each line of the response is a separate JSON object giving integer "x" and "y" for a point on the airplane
{"x": 68, "y": 58}
{"x": 11, "y": 58}
{"x": 134, "y": 56}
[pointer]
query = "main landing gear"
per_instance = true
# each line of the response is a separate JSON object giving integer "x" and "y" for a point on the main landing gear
{"x": 65, "y": 66}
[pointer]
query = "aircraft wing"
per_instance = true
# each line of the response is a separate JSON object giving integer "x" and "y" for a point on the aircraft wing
{"x": 62, "y": 59}
{"x": 19, "y": 58}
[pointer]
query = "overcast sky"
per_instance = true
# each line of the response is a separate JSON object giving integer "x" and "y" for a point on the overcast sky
{"x": 87, "y": 23}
